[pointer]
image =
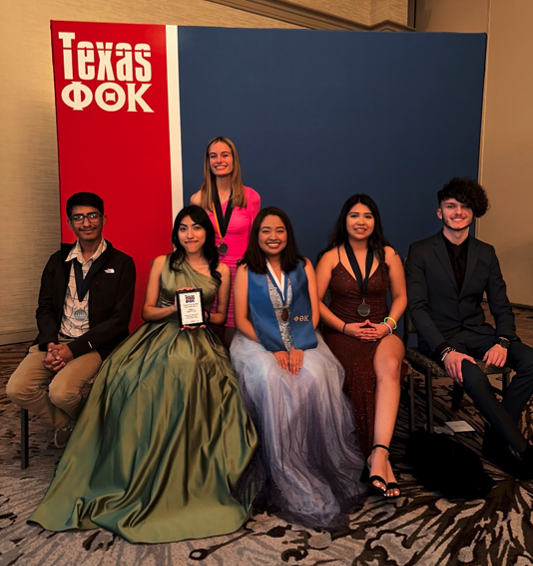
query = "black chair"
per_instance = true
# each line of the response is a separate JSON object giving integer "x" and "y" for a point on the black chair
{"x": 24, "y": 435}
{"x": 429, "y": 369}
{"x": 25, "y": 430}
{"x": 24, "y": 440}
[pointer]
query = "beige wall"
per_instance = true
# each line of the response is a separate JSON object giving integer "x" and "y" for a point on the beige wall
{"x": 507, "y": 156}
{"x": 29, "y": 193}
{"x": 394, "y": 10}
{"x": 332, "y": 14}
{"x": 506, "y": 163}
{"x": 358, "y": 11}
{"x": 466, "y": 16}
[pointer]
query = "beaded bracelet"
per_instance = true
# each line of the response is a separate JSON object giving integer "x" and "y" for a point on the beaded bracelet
{"x": 445, "y": 352}
{"x": 395, "y": 323}
{"x": 390, "y": 327}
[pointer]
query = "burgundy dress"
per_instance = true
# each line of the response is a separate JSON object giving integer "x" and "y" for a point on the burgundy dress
{"x": 356, "y": 356}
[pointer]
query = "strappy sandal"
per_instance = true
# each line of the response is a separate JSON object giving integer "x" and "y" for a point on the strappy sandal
{"x": 369, "y": 480}
{"x": 393, "y": 485}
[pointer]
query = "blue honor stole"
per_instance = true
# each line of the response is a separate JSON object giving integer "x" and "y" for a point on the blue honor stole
{"x": 264, "y": 317}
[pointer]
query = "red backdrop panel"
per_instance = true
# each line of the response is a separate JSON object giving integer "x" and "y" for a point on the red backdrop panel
{"x": 113, "y": 133}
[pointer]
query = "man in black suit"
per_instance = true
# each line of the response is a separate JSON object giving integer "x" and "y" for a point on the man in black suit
{"x": 447, "y": 276}
{"x": 85, "y": 304}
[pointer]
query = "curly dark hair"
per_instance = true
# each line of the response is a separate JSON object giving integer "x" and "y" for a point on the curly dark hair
{"x": 255, "y": 258}
{"x": 467, "y": 191}
{"x": 199, "y": 216}
{"x": 339, "y": 236}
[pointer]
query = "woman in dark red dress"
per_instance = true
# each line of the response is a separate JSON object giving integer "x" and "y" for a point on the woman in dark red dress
{"x": 358, "y": 267}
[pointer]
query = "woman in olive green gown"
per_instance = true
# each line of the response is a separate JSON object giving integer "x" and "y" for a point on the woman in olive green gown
{"x": 163, "y": 437}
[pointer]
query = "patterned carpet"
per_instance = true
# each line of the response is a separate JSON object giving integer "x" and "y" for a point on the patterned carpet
{"x": 420, "y": 528}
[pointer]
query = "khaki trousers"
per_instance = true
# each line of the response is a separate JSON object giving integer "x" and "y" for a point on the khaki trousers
{"x": 55, "y": 397}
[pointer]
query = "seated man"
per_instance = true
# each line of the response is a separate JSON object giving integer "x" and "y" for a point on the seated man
{"x": 447, "y": 276}
{"x": 85, "y": 304}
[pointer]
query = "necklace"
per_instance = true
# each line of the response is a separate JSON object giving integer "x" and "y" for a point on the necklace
{"x": 363, "y": 309}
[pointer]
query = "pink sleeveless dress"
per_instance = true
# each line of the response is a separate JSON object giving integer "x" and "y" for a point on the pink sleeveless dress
{"x": 237, "y": 236}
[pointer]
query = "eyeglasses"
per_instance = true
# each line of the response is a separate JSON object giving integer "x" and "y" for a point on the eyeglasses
{"x": 80, "y": 218}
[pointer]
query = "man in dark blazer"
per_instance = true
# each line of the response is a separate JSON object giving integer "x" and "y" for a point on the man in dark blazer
{"x": 447, "y": 277}
{"x": 85, "y": 304}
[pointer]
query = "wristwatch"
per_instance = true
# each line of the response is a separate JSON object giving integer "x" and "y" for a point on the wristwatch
{"x": 503, "y": 342}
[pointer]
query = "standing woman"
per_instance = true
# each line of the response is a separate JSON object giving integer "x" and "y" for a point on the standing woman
{"x": 358, "y": 267}
{"x": 232, "y": 208}
{"x": 163, "y": 438}
{"x": 291, "y": 383}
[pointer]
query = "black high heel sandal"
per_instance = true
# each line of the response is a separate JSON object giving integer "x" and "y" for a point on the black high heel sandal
{"x": 393, "y": 485}
{"x": 369, "y": 480}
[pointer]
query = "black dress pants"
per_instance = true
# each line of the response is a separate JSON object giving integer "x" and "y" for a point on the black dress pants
{"x": 502, "y": 416}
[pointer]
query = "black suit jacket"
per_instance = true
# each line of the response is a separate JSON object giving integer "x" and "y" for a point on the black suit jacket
{"x": 111, "y": 293}
{"x": 437, "y": 308}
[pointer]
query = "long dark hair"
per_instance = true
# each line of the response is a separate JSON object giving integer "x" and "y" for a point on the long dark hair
{"x": 199, "y": 216}
{"x": 376, "y": 240}
{"x": 255, "y": 258}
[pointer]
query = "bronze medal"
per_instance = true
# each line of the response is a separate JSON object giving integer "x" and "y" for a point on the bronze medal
{"x": 285, "y": 314}
{"x": 363, "y": 310}
{"x": 222, "y": 220}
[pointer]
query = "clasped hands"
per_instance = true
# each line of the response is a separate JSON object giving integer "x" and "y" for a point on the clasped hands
{"x": 366, "y": 331}
{"x": 57, "y": 357}
{"x": 291, "y": 361}
{"x": 495, "y": 356}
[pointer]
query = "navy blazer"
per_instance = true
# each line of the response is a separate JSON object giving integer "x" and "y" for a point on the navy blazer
{"x": 437, "y": 308}
{"x": 111, "y": 293}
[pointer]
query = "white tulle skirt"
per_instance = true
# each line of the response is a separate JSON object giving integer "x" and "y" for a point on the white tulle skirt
{"x": 308, "y": 446}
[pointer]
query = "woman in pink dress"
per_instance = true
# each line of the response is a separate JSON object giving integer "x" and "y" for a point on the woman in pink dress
{"x": 222, "y": 189}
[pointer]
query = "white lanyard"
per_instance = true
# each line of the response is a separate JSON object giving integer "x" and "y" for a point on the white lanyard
{"x": 280, "y": 284}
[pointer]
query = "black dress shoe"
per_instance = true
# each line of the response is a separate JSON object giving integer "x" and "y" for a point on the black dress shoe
{"x": 527, "y": 460}
{"x": 496, "y": 450}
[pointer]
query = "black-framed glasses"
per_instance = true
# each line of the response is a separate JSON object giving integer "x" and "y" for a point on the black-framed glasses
{"x": 79, "y": 218}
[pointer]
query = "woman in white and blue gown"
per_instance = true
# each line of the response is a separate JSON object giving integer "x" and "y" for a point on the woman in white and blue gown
{"x": 292, "y": 383}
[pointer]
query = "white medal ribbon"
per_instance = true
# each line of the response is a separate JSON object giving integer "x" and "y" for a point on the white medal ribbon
{"x": 280, "y": 284}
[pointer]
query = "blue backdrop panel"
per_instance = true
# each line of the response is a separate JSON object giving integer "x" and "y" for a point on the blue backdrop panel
{"x": 318, "y": 116}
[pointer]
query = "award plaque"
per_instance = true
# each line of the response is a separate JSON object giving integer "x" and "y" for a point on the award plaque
{"x": 191, "y": 307}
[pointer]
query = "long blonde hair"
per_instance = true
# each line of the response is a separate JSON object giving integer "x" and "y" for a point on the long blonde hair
{"x": 209, "y": 186}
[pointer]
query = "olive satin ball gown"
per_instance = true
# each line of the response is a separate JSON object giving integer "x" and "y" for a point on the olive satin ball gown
{"x": 163, "y": 438}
